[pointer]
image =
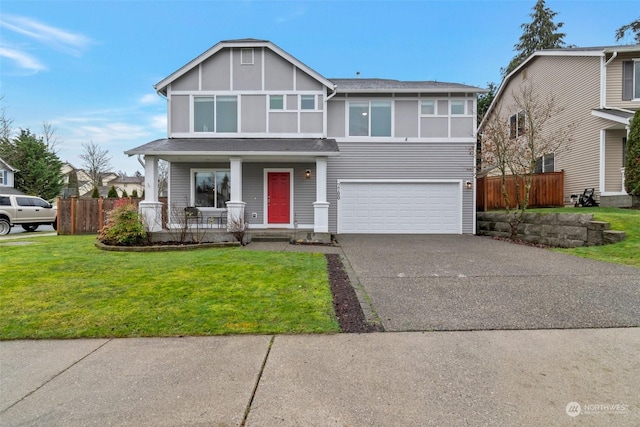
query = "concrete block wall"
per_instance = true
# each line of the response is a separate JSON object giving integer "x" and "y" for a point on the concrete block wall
{"x": 553, "y": 229}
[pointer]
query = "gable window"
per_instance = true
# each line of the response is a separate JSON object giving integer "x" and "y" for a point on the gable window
{"x": 210, "y": 188}
{"x": 545, "y": 163}
{"x": 517, "y": 125}
{"x": 307, "y": 102}
{"x": 215, "y": 114}
{"x": 370, "y": 118}
{"x": 276, "y": 102}
{"x": 246, "y": 56}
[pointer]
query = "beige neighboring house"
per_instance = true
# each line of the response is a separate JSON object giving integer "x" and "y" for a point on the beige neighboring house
{"x": 109, "y": 179}
{"x": 599, "y": 89}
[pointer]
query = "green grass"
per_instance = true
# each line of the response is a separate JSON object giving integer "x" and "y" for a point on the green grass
{"x": 64, "y": 287}
{"x": 628, "y": 220}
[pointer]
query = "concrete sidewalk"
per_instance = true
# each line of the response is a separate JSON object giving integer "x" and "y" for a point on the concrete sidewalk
{"x": 379, "y": 379}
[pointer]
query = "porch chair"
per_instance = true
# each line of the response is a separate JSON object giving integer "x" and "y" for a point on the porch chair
{"x": 192, "y": 214}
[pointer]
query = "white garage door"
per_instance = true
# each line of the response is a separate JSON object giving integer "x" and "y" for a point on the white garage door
{"x": 400, "y": 207}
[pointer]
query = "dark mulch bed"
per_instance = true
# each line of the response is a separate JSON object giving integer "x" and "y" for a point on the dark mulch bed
{"x": 345, "y": 302}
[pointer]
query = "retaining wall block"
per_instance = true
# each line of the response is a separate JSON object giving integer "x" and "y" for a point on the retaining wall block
{"x": 613, "y": 236}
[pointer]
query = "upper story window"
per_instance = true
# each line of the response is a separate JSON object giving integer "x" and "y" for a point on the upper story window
{"x": 276, "y": 102}
{"x": 428, "y": 108}
{"x": 517, "y": 125}
{"x": 307, "y": 102}
{"x": 631, "y": 80}
{"x": 215, "y": 114}
{"x": 457, "y": 107}
{"x": 370, "y": 118}
{"x": 246, "y": 56}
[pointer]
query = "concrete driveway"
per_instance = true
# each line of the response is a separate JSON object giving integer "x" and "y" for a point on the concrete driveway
{"x": 461, "y": 282}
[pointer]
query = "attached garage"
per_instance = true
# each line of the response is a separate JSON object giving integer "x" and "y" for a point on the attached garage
{"x": 399, "y": 207}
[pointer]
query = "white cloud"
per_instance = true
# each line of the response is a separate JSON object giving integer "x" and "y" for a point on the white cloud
{"x": 159, "y": 122}
{"x": 295, "y": 13}
{"x": 150, "y": 98}
{"x": 58, "y": 38}
{"x": 22, "y": 60}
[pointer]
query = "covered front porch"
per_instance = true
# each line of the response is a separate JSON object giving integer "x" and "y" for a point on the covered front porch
{"x": 263, "y": 184}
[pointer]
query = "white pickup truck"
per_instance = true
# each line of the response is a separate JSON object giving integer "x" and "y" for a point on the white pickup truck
{"x": 28, "y": 211}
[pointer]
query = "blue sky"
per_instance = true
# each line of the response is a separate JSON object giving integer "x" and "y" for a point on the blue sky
{"x": 88, "y": 67}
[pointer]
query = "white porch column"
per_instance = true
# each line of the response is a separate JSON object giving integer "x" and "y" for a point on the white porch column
{"x": 235, "y": 206}
{"x": 321, "y": 206}
{"x": 150, "y": 208}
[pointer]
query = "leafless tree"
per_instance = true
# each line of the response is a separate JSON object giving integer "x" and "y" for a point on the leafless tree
{"x": 6, "y": 124}
{"x": 49, "y": 136}
{"x": 516, "y": 153}
{"x": 163, "y": 178}
{"x": 96, "y": 161}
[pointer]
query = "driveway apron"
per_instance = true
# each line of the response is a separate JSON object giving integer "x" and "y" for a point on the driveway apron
{"x": 463, "y": 282}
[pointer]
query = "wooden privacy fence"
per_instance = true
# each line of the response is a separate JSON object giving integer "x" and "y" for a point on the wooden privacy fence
{"x": 547, "y": 190}
{"x": 88, "y": 215}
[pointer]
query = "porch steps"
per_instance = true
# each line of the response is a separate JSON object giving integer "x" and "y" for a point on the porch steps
{"x": 271, "y": 236}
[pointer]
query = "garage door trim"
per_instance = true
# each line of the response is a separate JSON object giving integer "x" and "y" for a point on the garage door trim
{"x": 459, "y": 185}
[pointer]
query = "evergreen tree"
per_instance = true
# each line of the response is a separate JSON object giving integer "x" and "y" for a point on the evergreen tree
{"x": 134, "y": 193}
{"x": 39, "y": 167}
{"x": 113, "y": 193}
{"x": 124, "y": 193}
{"x": 95, "y": 193}
{"x": 73, "y": 186}
{"x": 632, "y": 163}
{"x": 540, "y": 33}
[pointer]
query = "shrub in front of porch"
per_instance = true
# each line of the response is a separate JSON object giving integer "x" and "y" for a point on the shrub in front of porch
{"x": 124, "y": 226}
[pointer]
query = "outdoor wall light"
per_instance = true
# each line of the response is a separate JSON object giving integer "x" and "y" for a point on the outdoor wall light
{"x": 468, "y": 185}
{"x": 307, "y": 174}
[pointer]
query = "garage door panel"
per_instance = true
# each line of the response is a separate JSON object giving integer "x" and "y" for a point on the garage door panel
{"x": 386, "y": 207}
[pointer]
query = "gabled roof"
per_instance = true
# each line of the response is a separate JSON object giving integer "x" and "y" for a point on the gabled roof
{"x": 389, "y": 85}
{"x": 8, "y": 166}
{"x": 161, "y": 87}
{"x": 597, "y": 51}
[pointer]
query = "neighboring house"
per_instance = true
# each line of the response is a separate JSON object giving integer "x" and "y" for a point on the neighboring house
{"x": 599, "y": 90}
{"x": 7, "y": 178}
{"x": 109, "y": 179}
{"x": 253, "y": 130}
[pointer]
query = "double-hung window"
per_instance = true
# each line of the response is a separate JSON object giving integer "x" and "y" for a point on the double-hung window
{"x": 211, "y": 188}
{"x": 545, "y": 163}
{"x": 370, "y": 118}
{"x": 215, "y": 114}
{"x": 517, "y": 125}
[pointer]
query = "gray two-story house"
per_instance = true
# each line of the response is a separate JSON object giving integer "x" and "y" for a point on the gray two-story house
{"x": 254, "y": 132}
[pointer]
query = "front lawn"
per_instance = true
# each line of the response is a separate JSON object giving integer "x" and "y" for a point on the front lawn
{"x": 64, "y": 287}
{"x": 626, "y": 252}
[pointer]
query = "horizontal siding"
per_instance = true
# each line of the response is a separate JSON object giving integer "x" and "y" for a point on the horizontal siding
{"x": 574, "y": 82}
{"x": 426, "y": 160}
{"x": 613, "y": 163}
{"x": 614, "y": 82}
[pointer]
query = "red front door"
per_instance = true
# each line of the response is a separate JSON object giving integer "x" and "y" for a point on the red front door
{"x": 278, "y": 198}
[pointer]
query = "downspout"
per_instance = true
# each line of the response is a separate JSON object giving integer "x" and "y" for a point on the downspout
{"x": 603, "y": 82}
{"x": 141, "y": 161}
{"x": 325, "y": 116}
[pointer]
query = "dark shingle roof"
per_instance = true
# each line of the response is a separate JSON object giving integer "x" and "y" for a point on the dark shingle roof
{"x": 390, "y": 85}
{"x": 237, "y": 145}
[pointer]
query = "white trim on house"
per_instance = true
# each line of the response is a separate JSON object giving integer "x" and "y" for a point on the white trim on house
{"x": 602, "y": 160}
{"x": 265, "y": 179}
{"x": 613, "y": 117}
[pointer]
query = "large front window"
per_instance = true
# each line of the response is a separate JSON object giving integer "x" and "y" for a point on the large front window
{"x": 211, "y": 188}
{"x": 215, "y": 114}
{"x": 370, "y": 118}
